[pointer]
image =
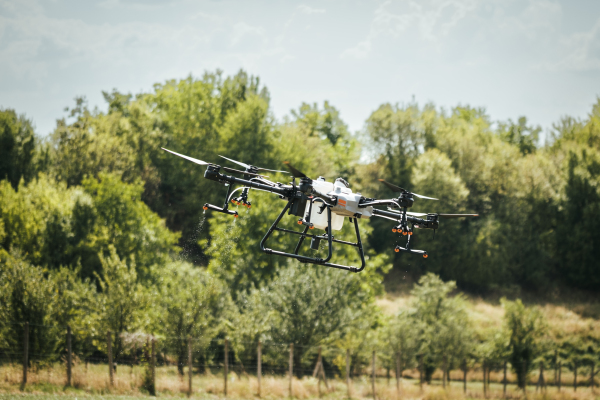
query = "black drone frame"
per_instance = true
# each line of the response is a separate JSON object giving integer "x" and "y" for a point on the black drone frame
{"x": 295, "y": 198}
{"x": 316, "y": 239}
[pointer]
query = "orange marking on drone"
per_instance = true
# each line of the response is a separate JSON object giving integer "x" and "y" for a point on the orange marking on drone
{"x": 342, "y": 202}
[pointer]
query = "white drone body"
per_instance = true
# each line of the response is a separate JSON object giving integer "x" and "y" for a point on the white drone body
{"x": 345, "y": 206}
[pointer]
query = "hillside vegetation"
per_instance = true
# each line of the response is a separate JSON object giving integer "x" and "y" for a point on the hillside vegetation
{"x": 102, "y": 231}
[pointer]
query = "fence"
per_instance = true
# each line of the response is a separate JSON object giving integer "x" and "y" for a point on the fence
{"x": 139, "y": 361}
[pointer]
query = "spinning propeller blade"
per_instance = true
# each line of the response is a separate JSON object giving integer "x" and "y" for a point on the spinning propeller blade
{"x": 402, "y": 190}
{"x": 393, "y": 187}
{"x": 199, "y": 162}
{"x": 237, "y": 171}
{"x": 448, "y": 216}
{"x": 251, "y": 166}
{"x": 294, "y": 171}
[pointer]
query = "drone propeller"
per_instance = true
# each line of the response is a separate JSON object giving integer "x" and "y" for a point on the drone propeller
{"x": 251, "y": 166}
{"x": 446, "y": 216}
{"x": 237, "y": 171}
{"x": 199, "y": 162}
{"x": 449, "y": 216}
{"x": 402, "y": 190}
{"x": 295, "y": 173}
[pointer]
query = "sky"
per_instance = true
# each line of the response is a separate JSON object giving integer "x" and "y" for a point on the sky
{"x": 533, "y": 58}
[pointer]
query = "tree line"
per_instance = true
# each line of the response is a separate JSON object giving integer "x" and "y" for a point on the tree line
{"x": 100, "y": 229}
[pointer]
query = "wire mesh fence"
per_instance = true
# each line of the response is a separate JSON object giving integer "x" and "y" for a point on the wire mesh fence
{"x": 129, "y": 363}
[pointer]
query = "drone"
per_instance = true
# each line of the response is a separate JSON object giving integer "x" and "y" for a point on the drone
{"x": 322, "y": 205}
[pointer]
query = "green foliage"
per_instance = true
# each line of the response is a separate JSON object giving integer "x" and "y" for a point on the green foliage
{"x": 195, "y": 304}
{"x": 524, "y": 326}
{"x": 311, "y": 306}
{"x": 441, "y": 322}
{"x": 399, "y": 339}
{"x": 27, "y": 297}
{"x": 519, "y": 134}
{"x": 17, "y": 148}
{"x": 119, "y": 218}
{"x": 123, "y": 305}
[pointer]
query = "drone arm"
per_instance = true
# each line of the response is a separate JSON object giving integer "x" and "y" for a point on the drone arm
{"x": 214, "y": 175}
{"x": 379, "y": 203}
{"x": 387, "y": 214}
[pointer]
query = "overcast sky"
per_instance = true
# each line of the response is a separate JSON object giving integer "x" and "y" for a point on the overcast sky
{"x": 535, "y": 58}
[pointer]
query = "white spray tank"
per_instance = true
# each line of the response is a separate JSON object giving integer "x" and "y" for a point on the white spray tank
{"x": 320, "y": 220}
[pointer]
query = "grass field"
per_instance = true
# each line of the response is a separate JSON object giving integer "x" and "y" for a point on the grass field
{"x": 50, "y": 383}
{"x": 564, "y": 320}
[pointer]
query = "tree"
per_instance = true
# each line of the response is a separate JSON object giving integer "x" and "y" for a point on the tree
{"x": 525, "y": 327}
{"x": 313, "y": 306}
{"x": 123, "y": 304}
{"x": 523, "y": 136}
{"x": 195, "y": 304}
{"x": 441, "y": 321}
{"x": 17, "y": 147}
{"x": 27, "y": 296}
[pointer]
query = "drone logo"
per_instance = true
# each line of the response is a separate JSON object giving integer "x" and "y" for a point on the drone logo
{"x": 322, "y": 205}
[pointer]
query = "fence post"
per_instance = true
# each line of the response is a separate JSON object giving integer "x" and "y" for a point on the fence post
{"x": 291, "y": 366}
{"x": 318, "y": 371}
{"x": 153, "y": 365}
{"x": 465, "y": 376}
{"x": 348, "y": 371}
{"x": 25, "y": 354}
{"x": 421, "y": 371}
{"x": 226, "y": 366}
{"x": 190, "y": 370}
{"x": 445, "y": 366}
{"x": 259, "y": 365}
{"x": 111, "y": 377}
{"x": 373, "y": 377}
{"x": 524, "y": 372}
{"x": 575, "y": 377}
{"x": 559, "y": 374}
{"x": 484, "y": 385}
{"x": 504, "y": 388}
{"x": 555, "y": 365}
{"x": 69, "y": 356}
{"x": 398, "y": 375}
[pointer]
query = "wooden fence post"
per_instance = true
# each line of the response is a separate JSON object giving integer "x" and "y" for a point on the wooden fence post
{"x": 153, "y": 365}
{"x": 69, "y": 356}
{"x": 484, "y": 385}
{"x": 373, "y": 377}
{"x": 190, "y": 370}
{"x": 421, "y": 371}
{"x": 291, "y": 366}
{"x": 504, "y": 388}
{"x": 318, "y": 371}
{"x": 348, "y": 371}
{"x": 111, "y": 377}
{"x": 559, "y": 374}
{"x": 445, "y": 367}
{"x": 524, "y": 372}
{"x": 555, "y": 366}
{"x": 226, "y": 367}
{"x": 259, "y": 365}
{"x": 592, "y": 377}
{"x": 575, "y": 377}
{"x": 465, "y": 376}
{"x": 25, "y": 354}
{"x": 398, "y": 375}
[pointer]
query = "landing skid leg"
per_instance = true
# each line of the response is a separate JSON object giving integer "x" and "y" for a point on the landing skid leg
{"x": 304, "y": 234}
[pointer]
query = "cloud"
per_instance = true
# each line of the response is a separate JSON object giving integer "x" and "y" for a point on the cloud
{"x": 581, "y": 51}
{"x": 303, "y": 8}
{"x": 431, "y": 19}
